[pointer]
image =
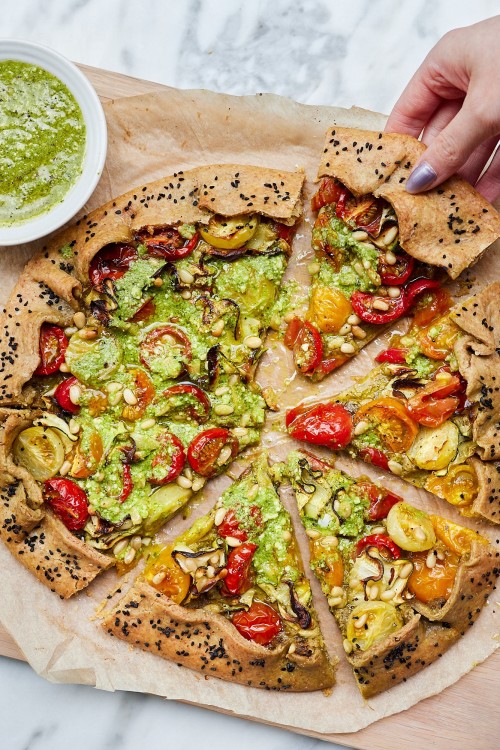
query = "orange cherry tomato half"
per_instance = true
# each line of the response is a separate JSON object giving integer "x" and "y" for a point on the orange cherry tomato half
{"x": 429, "y": 584}
{"x": 457, "y": 538}
{"x": 170, "y": 579}
{"x": 395, "y": 428}
{"x": 88, "y": 455}
{"x": 205, "y": 451}
{"x": 260, "y": 624}
{"x": 143, "y": 389}
{"x": 327, "y": 563}
{"x": 437, "y": 340}
{"x": 431, "y": 306}
{"x": 329, "y": 191}
{"x": 52, "y": 347}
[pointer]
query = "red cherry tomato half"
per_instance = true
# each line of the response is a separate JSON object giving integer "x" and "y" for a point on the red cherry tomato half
{"x": 238, "y": 566}
{"x": 381, "y": 542}
{"x": 374, "y": 456}
{"x": 170, "y": 458}
{"x": 198, "y": 407}
{"x": 147, "y": 310}
{"x": 381, "y": 500}
{"x": 308, "y": 348}
{"x": 324, "y": 424}
{"x": 61, "y": 395}
{"x": 260, "y": 624}
{"x": 128, "y": 484}
{"x": 399, "y": 272}
{"x": 68, "y": 501}
{"x": 284, "y": 232}
{"x": 329, "y": 191}
{"x": 111, "y": 262}
{"x": 292, "y": 331}
{"x": 363, "y": 303}
{"x": 53, "y": 345}
{"x": 363, "y": 213}
{"x": 437, "y": 401}
{"x": 394, "y": 356}
{"x": 153, "y": 346}
{"x": 230, "y": 527}
{"x": 168, "y": 243}
{"x": 204, "y": 452}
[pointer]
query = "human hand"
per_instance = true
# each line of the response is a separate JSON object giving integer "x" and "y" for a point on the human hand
{"x": 454, "y": 97}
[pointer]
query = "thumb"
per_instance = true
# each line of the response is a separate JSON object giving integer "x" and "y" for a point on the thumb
{"x": 450, "y": 149}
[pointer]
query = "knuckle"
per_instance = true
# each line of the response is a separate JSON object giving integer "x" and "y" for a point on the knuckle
{"x": 448, "y": 148}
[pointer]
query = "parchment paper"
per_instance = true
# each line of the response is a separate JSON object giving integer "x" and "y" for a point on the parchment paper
{"x": 151, "y": 136}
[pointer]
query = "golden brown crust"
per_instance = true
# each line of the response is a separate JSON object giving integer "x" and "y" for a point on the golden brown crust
{"x": 209, "y": 643}
{"x": 449, "y": 226}
{"x": 478, "y": 357}
{"x": 405, "y": 653}
{"x": 487, "y": 501}
{"x": 49, "y": 287}
{"x": 38, "y": 539}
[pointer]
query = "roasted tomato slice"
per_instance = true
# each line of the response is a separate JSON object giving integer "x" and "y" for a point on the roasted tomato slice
{"x": 329, "y": 191}
{"x": 238, "y": 567}
{"x": 144, "y": 391}
{"x": 393, "y": 355}
{"x": 260, "y": 623}
{"x": 328, "y": 309}
{"x": 53, "y": 345}
{"x": 437, "y": 401}
{"x": 127, "y": 485}
{"x": 68, "y": 501}
{"x": 323, "y": 424}
{"x": 364, "y": 213}
{"x": 230, "y": 526}
{"x": 187, "y": 398}
{"x": 428, "y": 584}
{"x": 308, "y": 348}
{"x": 169, "y": 459}
{"x": 61, "y": 395}
{"x": 167, "y": 243}
{"x": 431, "y": 306}
{"x": 368, "y": 307}
{"x": 437, "y": 340}
{"x": 374, "y": 456}
{"x": 147, "y": 310}
{"x": 292, "y": 331}
{"x": 399, "y": 272}
{"x": 111, "y": 262}
{"x": 388, "y": 416}
{"x": 211, "y": 451}
{"x": 285, "y": 232}
{"x": 382, "y": 542}
{"x": 164, "y": 345}
{"x": 326, "y": 366}
{"x": 381, "y": 500}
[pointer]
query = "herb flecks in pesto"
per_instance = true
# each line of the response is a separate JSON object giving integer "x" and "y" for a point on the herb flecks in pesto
{"x": 42, "y": 141}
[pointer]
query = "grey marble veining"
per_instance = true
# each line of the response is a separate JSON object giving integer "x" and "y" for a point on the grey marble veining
{"x": 339, "y": 52}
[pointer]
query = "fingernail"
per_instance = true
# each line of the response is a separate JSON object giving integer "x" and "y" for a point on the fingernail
{"x": 421, "y": 178}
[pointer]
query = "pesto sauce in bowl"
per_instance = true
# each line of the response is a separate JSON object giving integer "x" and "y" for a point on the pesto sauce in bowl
{"x": 42, "y": 141}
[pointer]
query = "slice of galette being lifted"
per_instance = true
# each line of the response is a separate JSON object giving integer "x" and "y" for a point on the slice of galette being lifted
{"x": 378, "y": 248}
{"x": 430, "y": 410}
{"x": 403, "y": 584}
{"x": 229, "y": 596}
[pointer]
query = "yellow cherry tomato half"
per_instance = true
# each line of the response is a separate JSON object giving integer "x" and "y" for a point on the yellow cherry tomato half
{"x": 229, "y": 234}
{"x": 371, "y": 622}
{"x": 40, "y": 451}
{"x": 428, "y": 584}
{"x": 456, "y": 538}
{"x": 327, "y": 563}
{"x": 328, "y": 309}
{"x": 458, "y": 487}
{"x": 163, "y": 573}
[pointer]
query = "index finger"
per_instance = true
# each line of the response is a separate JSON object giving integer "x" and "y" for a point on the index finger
{"x": 414, "y": 107}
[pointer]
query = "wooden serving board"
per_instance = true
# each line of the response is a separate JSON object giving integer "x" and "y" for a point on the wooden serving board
{"x": 463, "y": 716}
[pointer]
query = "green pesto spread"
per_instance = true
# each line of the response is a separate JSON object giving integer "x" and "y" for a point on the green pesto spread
{"x": 42, "y": 141}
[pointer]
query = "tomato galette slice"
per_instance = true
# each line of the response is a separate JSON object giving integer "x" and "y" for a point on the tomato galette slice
{"x": 142, "y": 327}
{"x": 378, "y": 249}
{"x": 430, "y": 410}
{"x": 403, "y": 584}
{"x": 229, "y": 596}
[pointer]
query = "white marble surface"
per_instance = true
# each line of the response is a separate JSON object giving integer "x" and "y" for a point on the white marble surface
{"x": 338, "y": 52}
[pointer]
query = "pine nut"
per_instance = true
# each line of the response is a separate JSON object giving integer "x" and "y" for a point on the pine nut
{"x": 129, "y": 557}
{"x": 253, "y": 342}
{"x": 366, "y": 265}
{"x": 74, "y": 427}
{"x": 390, "y": 258}
{"x": 198, "y": 483}
{"x": 313, "y": 534}
{"x": 120, "y": 546}
{"x": 360, "y": 621}
{"x": 224, "y": 456}
{"x": 232, "y": 541}
{"x": 129, "y": 397}
{"x": 430, "y": 560}
{"x": 358, "y": 267}
{"x": 286, "y": 536}
{"x": 113, "y": 387}
{"x": 115, "y": 398}
{"x": 222, "y": 390}
{"x": 337, "y": 591}
{"x": 185, "y": 276}
{"x": 313, "y": 268}
{"x": 393, "y": 291}
{"x": 386, "y": 596}
{"x": 240, "y": 432}
{"x": 361, "y": 427}
{"x": 64, "y": 367}
{"x": 184, "y": 482}
{"x": 292, "y": 648}
{"x": 346, "y": 328}
{"x": 136, "y": 542}
{"x": 347, "y": 646}
{"x": 406, "y": 570}
{"x": 353, "y": 320}
{"x": 378, "y": 530}
{"x": 159, "y": 577}
{"x": 135, "y": 517}
{"x": 390, "y": 235}
{"x": 70, "y": 330}
{"x": 65, "y": 468}
{"x": 359, "y": 235}
{"x": 223, "y": 410}
{"x": 358, "y": 332}
{"x": 220, "y": 515}
{"x": 186, "y": 294}
{"x": 218, "y": 328}
{"x": 395, "y": 467}
{"x": 288, "y": 317}
{"x": 87, "y": 334}
{"x": 335, "y": 601}
{"x": 79, "y": 319}
{"x": 146, "y": 541}
{"x": 75, "y": 394}
{"x": 373, "y": 592}
{"x": 329, "y": 541}
{"x": 148, "y": 423}
{"x": 367, "y": 245}
{"x": 215, "y": 559}
{"x": 210, "y": 571}
{"x": 347, "y": 348}
{"x": 440, "y": 555}
{"x": 379, "y": 304}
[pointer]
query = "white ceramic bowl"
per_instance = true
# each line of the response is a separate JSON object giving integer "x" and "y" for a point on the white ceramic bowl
{"x": 95, "y": 148}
